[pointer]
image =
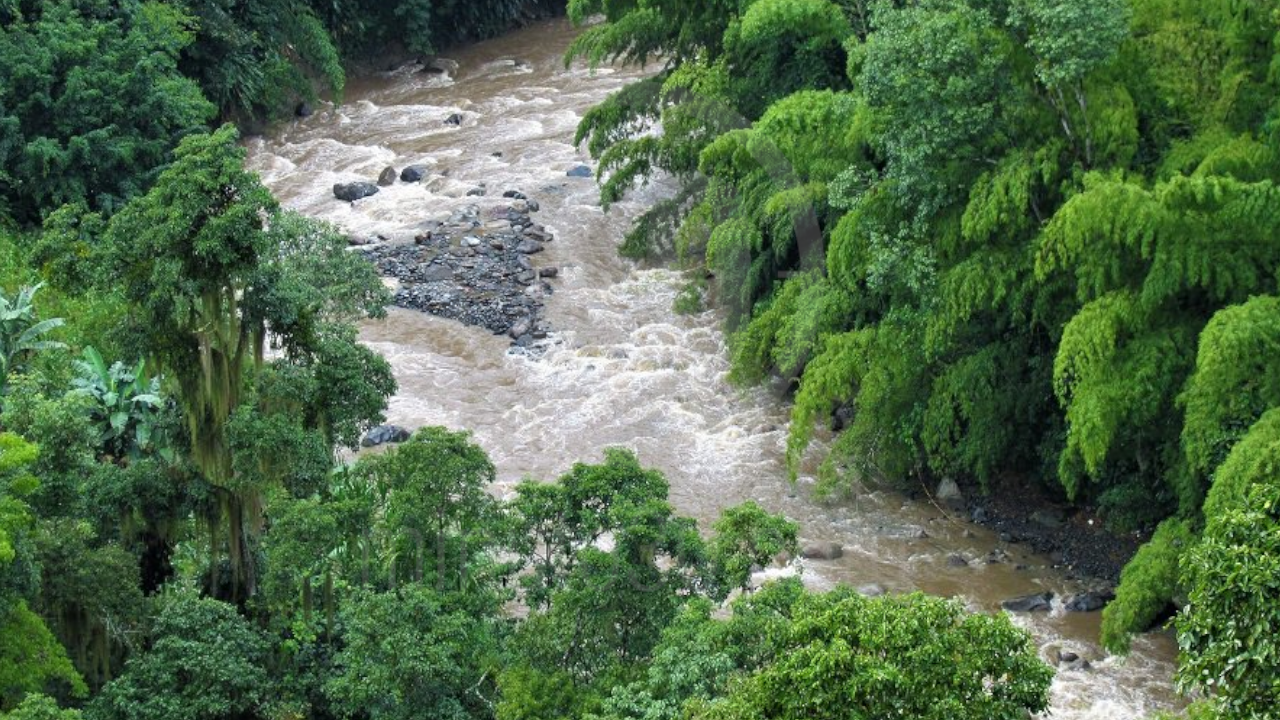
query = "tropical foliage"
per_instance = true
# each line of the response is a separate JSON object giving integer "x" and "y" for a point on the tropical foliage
{"x": 1017, "y": 242}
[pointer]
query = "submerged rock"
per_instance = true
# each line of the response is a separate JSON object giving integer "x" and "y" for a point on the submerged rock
{"x": 454, "y": 119}
{"x": 581, "y": 171}
{"x": 303, "y": 110}
{"x": 822, "y": 551}
{"x": 388, "y": 177}
{"x": 1039, "y": 602}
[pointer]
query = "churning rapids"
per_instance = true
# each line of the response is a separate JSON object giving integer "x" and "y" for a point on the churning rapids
{"x": 624, "y": 369}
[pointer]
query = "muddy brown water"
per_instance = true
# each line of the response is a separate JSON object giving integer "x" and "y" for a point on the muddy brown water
{"x": 625, "y": 369}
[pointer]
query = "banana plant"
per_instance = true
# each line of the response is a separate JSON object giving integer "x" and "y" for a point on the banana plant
{"x": 21, "y": 332}
{"x": 127, "y": 406}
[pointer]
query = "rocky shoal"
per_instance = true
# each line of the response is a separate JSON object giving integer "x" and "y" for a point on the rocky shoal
{"x": 476, "y": 267}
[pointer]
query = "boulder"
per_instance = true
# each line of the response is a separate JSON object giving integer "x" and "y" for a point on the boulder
{"x": 476, "y": 192}
{"x": 549, "y": 272}
{"x": 354, "y": 191}
{"x": 440, "y": 66}
{"x": 1039, "y": 602}
{"x": 304, "y": 109}
{"x": 534, "y": 206}
{"x": 822, "y": 551}
{"x": 515, "y": 195}
{"x": 957, "y": 561}
{"x": 1092, "y": 601}
{"x": 454, "y": 119}
{"x": 529, "y": 247}
{"x": 388, "y": 177}
{"x": 384, "y": 434}
{"x": 581, "y": 171}
{"x": 949, "y": 496}
{"x": 414, "y": 173}
{"x": 871, "y": 590}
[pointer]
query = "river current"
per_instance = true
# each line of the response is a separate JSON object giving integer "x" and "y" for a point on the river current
{"x": 623, "y": 368}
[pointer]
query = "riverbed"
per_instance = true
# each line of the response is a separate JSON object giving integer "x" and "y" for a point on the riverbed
{"x": 620, "y": 366}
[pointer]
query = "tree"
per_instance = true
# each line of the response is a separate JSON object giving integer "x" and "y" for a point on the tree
{"x": 438, "y": 512}
{"x": 204, "y": 661}
{"x": 252, "y": 58}
{"x": 30, "y": 657}
{"x": 413, "y": 653}
{"x": 93, "y": 98}
{"x": 1228, "y": 649}
{"x": 747, "y": 537}
{"x": 212, "y": 270}
{"x": 21, "y": 332}
{"x": 128, "y": 408}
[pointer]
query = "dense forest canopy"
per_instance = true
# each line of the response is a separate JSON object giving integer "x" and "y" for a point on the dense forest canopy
{"x": 1010, "y": 241}
{"x": 1017, "y": 241}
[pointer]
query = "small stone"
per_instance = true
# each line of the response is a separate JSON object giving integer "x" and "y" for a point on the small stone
{"x": 514, "y": 194}
{"x": 871, "y": 590}
{"x": 534, "y": 206}
{"x": 520, "y": 328}
{"x": 956, "y": 561}
{"x": 549, "y": 272}
{"x": 529, "y": 247}
{"x": 455, "y": 119}
{"x": 581, "y": 171}
{"x": 476, "y": 192}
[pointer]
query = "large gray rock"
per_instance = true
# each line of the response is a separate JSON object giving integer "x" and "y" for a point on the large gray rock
{"x": 354, "y": 191}
{"x": 949, "y": 496}
{"x": 384, "y": 434}
{"x": 388, "y": 177}
{"x": 581, "y": 171}
{"x": 1039, "y": 602}
{"x": 822, "y": 551}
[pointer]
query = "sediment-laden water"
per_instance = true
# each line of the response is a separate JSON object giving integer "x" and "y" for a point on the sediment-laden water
{"x": 623, "y": 368}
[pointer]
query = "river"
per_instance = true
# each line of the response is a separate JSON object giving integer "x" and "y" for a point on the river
{"x": 624, "y": 369}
